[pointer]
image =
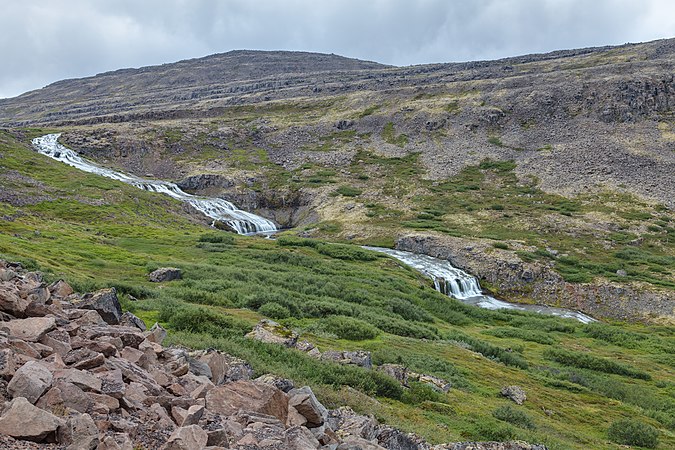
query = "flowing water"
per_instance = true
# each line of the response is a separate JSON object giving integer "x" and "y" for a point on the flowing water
{"x": 456, "y": 283}
{"x": 215, "y": 208}
{"x": 447, "y": 279}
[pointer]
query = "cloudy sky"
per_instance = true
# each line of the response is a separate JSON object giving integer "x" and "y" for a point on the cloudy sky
{"x": 43, "y": 41}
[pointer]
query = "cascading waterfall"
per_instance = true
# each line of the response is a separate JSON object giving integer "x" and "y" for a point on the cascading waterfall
{"x": 215, "y": 208}
{"x": 456, "y": 283}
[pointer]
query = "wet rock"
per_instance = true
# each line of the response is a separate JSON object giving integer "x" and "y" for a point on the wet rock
{"x": 515, "y": 393}
{"x": 31, "y": 329}
{"x": 165, "y": 274}
{"x": 22, "y": 420}
{"x": 30, "y": 381}
{"x": 104, "y": 302}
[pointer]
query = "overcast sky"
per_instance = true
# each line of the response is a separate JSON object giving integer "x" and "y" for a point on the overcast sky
{"x": 42, "y": 41}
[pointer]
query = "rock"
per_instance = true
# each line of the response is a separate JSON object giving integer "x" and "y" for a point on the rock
{"x": 7, "y": 364}
{"x": 283, "y": 384}
{"x": 359, "y": 358}
{"x": 104, "y": 302}
{"x": 80, "y": 378}
{"x": 129, "y": 336}
{"x": 187, "y": 438}
{"x": 112, "y": 383}
{"x": 31, "y": 329}
{"x": 60, "y": 289}
{"x": 157, "y": 334}
{"x": 271, "y": 332}
{"x": 393, "y": 439}
{"x": 355, "y": 442}
{"x": 65, "y": 396}
{"x": 396, "y": 371}
{"x": 22, "y": 420}
{"x": 7, "y": 274}
{"x": 79, "y": 433}
{"x": 515, "y": 393}
{"x": 83, "y": 358}
{"x": 129, "y": 320}
{"x": 300, "y": 438}
{"x": 305, "y": 402}
{"x": 58, "y": 340}
{"x": 12, "y": 303}
{"x": 165, "y": 274}
{"x": 435, "y": 382}
{"x": 193, "y": 415}
{"x": 30, "y": 381}
{"x": 622, "y": 273}
{"x": 348, "y": 422}
{"x": 257, "y": 397}
{"x": 199, "y": 368}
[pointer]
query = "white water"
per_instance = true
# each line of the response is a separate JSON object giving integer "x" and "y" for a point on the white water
{"x": 456, "y": 283}
{"x": 215, "y": 208}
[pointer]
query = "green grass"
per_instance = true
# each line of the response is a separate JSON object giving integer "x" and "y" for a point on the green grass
{"x": 96, "y": 232}
{"x": 389, "y": 136}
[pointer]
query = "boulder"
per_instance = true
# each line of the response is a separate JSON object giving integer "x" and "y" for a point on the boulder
{"x": 80, "y": 378}
{"x": 301, "y": 438}
{"x": 262, "y": 398}
{"x": 60, "y": 289}
{"x": 7, "y": 363}
{"x": 273, "y": 333}
{"x": 104, "y": 302}
{"x": 130, "y": 320}
{"x": 193, "y": 415}
{"x": 187, "y": 438}
{"x": 165, "y": 274}
{"x": 515, "y": 393}
{"x": 435, "y": 382}
{"x": 359, "y": 358}
{"x": 30, "y": 381}
{"x": 22, "y": 420}
{"x": 31, "y": 329}
{"x": 283, "y": 384}
{"x": 157, "y": 334}
{"x": 12, "y": 303}
{"x": 397, "y": 371}
{"x": 64, "y": 396}
{"x": 306, "y": 403}
{"x": 79, "y": 433}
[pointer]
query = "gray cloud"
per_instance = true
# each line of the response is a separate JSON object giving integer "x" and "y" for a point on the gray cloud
{"x": 43, "y": 41}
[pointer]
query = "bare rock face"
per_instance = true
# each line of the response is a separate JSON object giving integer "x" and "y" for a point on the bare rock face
{"x": 515, "y": 393}
{"x": 105, "y": 303}
{"x": 24, "y": 421}
{"x": 31, "y": 329}
{"x": 30, "y": 381}
{"x": 249, "y": 396}
{"x": 165, "y": 274}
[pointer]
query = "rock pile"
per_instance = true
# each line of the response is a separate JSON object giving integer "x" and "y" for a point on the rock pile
{"x": 76, "y": 373}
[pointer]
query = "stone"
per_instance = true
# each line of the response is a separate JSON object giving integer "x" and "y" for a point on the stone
{"x": 104, "y": 302}
{"x": 58, "y": 340}
{"x": 7, "y": 274}
{"x": 397, "y": 371}
{"x": 30, "y": 381}
{"x": 295, "y": 418}
{"x": 165, "y": 274}
{"x": 22, "y": 420}
{"x": 60, "y": 289}
{"x": 31, "y": 329}
{"x": 283, "y": 384}
{"x": 199, "y": 368}
{"x": 80, "y": 378}
{"x": 347, "y": 421}
{"x": 359, "y": 358}
{"x": 83, "y": 358}
{"x": 193, "y": 415}
{"x": 306, "y": 403}
{"x": 435, "y": 382}
{"x": 273, "y": 333}
{"x": 129, "y": 336}
{"x": 65, "y": 396}
{"x": 515, "y": 393}
{"x": 355, "y": 442}
{"x": 78, "y": 433}
{"x": 157, "y": 334}
{"x": 187, "y": 438}
{"x": 12, "y": 303}
{"x": 257, "y": 397}
{"x": 622, "y": 273}
{"x": 112, "y": 383}
{"x": 130, "y": 320}
{"x": 7, "y": 363}
{"x": 300, "y": 438}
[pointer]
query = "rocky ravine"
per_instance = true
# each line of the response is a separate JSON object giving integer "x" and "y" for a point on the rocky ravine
{"x": 519, "y": 280}
{"x": 77, "y": 373}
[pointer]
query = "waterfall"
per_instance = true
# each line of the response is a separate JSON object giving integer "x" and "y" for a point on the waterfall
{"x": 215, "y": 208}
{"x": 456, "y": 283}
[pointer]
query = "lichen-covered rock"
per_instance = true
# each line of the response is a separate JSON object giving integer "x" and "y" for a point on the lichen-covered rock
{"x": 165, "y": 274}
{"x": 515, "y": 393}
{"x": 273, "y": 333}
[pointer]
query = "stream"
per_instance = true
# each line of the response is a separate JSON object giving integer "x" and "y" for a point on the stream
{"x": 447, "y": 279}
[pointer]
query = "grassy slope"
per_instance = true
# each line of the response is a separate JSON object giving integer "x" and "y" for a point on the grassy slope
{"x": 133, "y": 231}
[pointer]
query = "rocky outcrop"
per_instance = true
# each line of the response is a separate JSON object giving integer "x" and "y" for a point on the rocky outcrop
{"x": 517, "y": 280}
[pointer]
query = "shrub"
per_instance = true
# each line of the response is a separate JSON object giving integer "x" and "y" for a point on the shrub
{"x": 489, "y": 350}
{"x": 348, "y": 328}
{"x": 292, "y": 241}
{"x": 525, "y": 335}
{"x": 501, "y": 245}
{"x": 196, "y": 319}
{"x": 420, "y": 392}
{"x": 348, "y": 191}
{"x": 346, "y": 252}
{"x": 586, "y": 361}
{"x": 217, "y": 238}
{"x": 274, "y": 310}
{"x": 614, "y": 335}
{"x": 508, "y": 413}
{"x": 632, "y": 432}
